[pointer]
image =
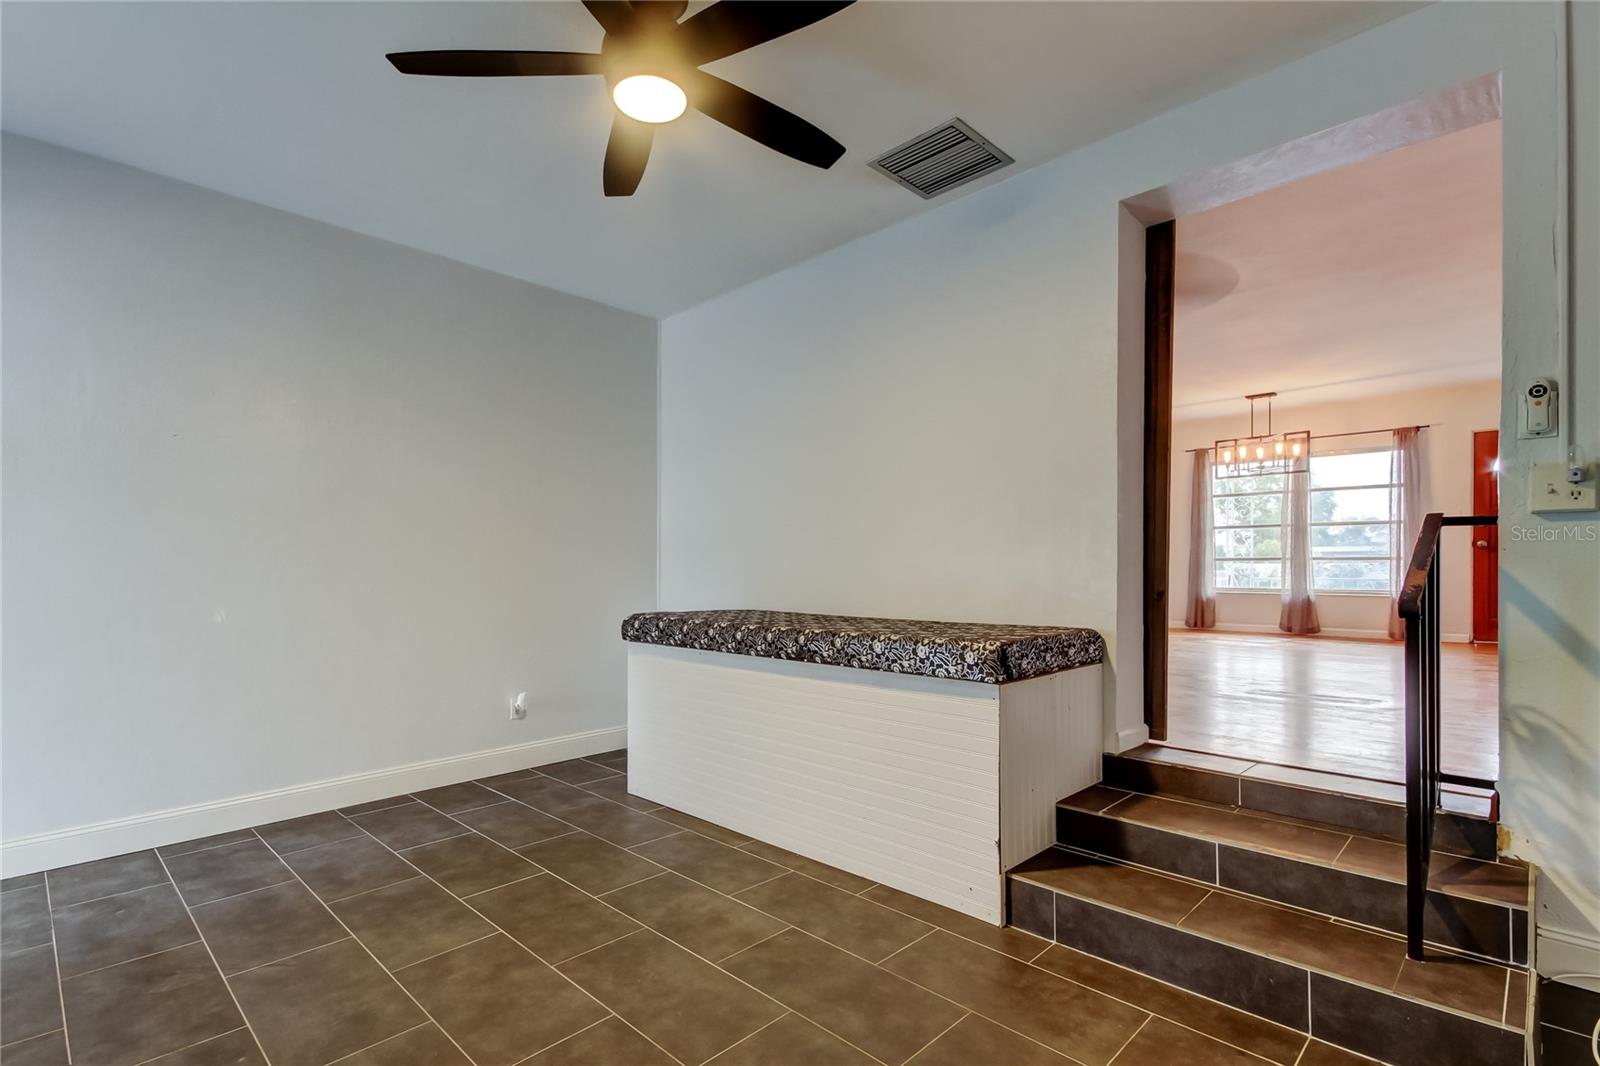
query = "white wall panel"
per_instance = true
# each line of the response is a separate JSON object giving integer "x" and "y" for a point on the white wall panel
{"x": 894, "y": 778}
{"x": 1050, "y": 731}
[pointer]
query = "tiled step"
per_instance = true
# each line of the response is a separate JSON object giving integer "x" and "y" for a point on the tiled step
{"x": 1473, "y": 905}
{"x": 1466, "y": 825}
{"x": 1344, "y": 985}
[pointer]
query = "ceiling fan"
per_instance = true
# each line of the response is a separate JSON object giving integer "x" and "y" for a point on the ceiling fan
{"x": 651, "y": 62}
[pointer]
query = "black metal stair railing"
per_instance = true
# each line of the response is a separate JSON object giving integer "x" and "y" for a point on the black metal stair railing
{"x": 1419, "y": 609}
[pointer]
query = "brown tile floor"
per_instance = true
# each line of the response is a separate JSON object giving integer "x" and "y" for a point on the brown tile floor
{"x": 549, "y": 917}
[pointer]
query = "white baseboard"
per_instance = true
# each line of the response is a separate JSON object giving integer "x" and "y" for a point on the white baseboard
{"x": 1128, "y": 739}
{"x": 1349, "y": 634}
{"x": 1563, "y": 952}
{"x": 62, "y": 847}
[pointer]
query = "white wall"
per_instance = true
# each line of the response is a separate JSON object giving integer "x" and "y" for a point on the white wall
{"x": 283, "y": 503}
{"x": 933, "y": 420}
{"x": 1452, "y": 414}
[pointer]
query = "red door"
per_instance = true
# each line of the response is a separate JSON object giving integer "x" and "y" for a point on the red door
{"x": 1486, "y": 542}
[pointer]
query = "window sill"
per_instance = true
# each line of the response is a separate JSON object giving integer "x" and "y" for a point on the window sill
{"x": 1359, "y": 594}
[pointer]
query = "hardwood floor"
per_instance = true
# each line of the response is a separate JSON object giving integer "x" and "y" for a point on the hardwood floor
{"x": 1324, "y": 703}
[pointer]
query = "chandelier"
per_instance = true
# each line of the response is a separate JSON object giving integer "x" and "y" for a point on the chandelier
{"x": 1262, "y": 453}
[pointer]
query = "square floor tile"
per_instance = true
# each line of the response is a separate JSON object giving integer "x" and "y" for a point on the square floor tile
{"x": 701, "y": 826}
{"x": 47, "y": 1050}
{"x": 614, "y": 822}
{"x": 577, "y": 771}
{"x": 1060, "y": 1014}
{"x": 514, "y": 824}
{"x": 471, "y": 863}
{"x": 882, "y": 1014}
{"x": 237, "y": 1048}
{"x": 821, "y": 871}
{"x": 376, "y": 805}
{"x": 334, "y": 871}
{"x": 792, "y": 1039}
{"x": 589, "y": 862}
{"x": 843, "y": 920}
{"x": 513, "y": 775}
{"x": 29, "y": 1002}
{"x": 107, "y": 931}
{"x": 409, "y": 921}
{"x": 297, "y": 834}
{"x": 546, "y": 794}
{"x": 551, "y": 918}
{"x": 714, "y": 865}
{"x": 683, "y": 1003}
{"x": 24, "y": 919}
{"x": 33, "y": 880}
{"x": 104, "y": 877}
{"x": 1161, "y": 1043}
{"x": 612, "y": 1042}
{"x": 1319, "y": 1054}
{"x": 615, "y": 789}
{"x": 147, "y": 1007}
{"x": 215, "y": 840}
{"x": 453, "y": 799}
{"x": 217, "y": 873}
{"x": 310, "y": 1009}
{"x": 426, "y": 1045}
{"x": 468, "y": 992}
{"x": 410, "y": 825}
{"x": 708, "y": 923}
{"x": 975, "y": 1039}
{"x": 1017, "y": 944}
{"x": 261, "y": 927}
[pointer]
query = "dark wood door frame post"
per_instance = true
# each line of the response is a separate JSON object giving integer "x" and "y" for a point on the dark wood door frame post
{"x": 1159, "y": 276}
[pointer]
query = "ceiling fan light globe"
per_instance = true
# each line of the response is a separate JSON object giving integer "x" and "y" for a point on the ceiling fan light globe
{"x": 649, "y": 98}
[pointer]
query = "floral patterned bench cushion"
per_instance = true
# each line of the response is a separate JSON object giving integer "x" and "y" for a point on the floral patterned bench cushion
{"x": 965, "y": 651}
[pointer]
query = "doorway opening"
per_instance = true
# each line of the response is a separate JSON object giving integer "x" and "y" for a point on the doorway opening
{"x": 1323, "y": 364}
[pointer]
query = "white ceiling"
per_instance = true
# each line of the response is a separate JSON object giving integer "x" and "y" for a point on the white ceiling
{"x": 293, "y": 105}
{"x": 1376, "y": 277}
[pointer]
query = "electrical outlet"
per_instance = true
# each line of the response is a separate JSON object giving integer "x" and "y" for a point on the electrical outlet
{"x": 1550, "y": 490}
{"x": 519, "y": 707}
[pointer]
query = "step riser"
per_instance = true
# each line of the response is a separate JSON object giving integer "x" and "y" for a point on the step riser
{"x": 1453, "y": 833}
{"x": 1484, "y": 928}
{"x": 1349, "y": 1015}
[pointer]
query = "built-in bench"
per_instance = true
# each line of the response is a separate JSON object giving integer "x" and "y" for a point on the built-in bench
{"x": 927, "y": 756}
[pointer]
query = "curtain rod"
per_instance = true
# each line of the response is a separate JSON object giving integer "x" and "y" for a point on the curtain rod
{"x": 1330, "y": 436}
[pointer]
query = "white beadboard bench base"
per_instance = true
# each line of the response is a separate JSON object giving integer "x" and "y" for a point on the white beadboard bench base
{"x": 930, "y": 786}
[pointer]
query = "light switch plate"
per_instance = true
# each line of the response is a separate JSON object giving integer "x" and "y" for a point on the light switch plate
{"x": 1549, "y": 490}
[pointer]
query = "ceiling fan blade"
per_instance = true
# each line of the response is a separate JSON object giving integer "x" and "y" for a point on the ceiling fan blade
{"x": 614, "y": 16}
{"x": 731, "y": 26}
{"x": 627, "y": 152}
{"x": 762, "y": 120}
{"x": 490, "y": 64}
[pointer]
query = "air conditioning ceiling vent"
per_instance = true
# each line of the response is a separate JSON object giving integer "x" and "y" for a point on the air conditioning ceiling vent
{"x": 950, "y": 154}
